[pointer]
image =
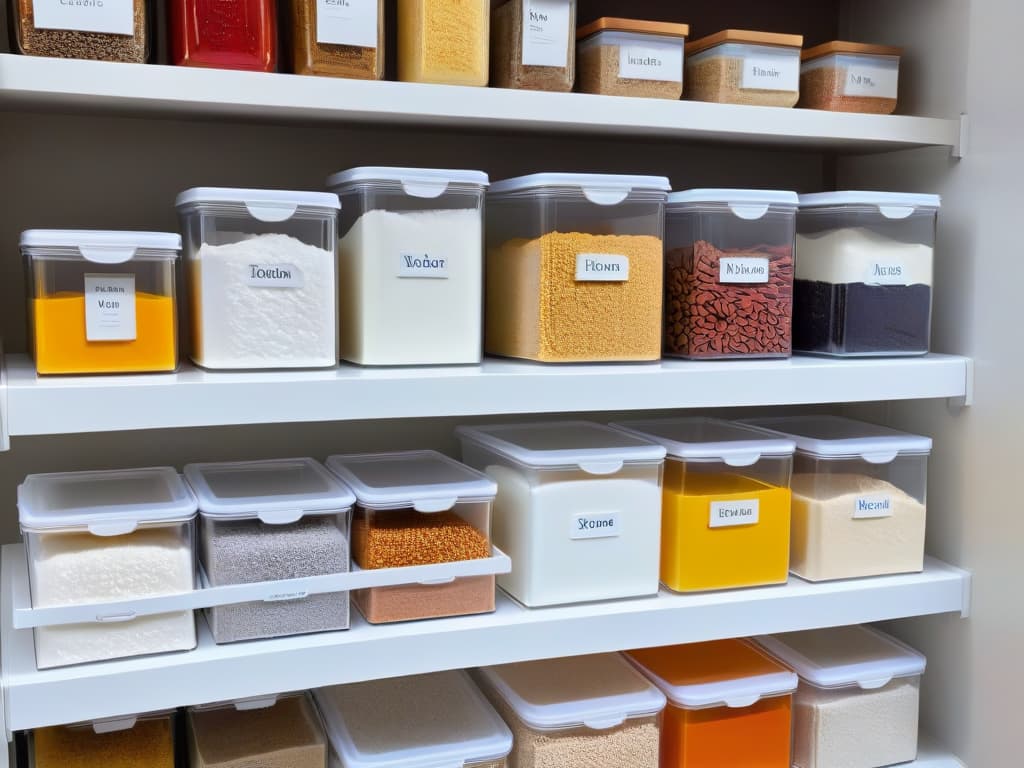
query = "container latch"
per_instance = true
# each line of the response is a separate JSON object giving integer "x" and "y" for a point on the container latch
{"x": 425, "y": 189}
{"x": 114, "y": 724}
{"x": 271, "y": 212}
{"x": 872, "y": 685}
{"x": 879, "y": 457}
{"x": 603, "y": 723}
{"x": 280, "y": 516}
{"x": 896, "y": 211}
{"x": 600, "y": 467}
{"x": 612, "y": 196}
{"x": 434, "y": 505}
{"x": 113, "y": 527}
{"x": 107, "y": 254}
{"x": 748, "y": 212}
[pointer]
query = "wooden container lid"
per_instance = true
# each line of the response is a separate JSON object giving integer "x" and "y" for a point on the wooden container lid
{"x": 744, "y": 36}
{"x": 842, "y": 46}
{"x": 610, "y": 24}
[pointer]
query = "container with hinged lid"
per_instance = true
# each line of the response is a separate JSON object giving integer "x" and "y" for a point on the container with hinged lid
{"x": 850, "y": 77}
{"x": 630, "y": 57}
{"x": 122, "y": 742}
{"x": 745, "y": 67}
{"x": 533, "y": 44}
{"x": 337, "y": 39}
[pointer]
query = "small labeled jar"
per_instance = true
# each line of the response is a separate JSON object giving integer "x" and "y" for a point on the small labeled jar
{"x": 533, "y": 44}
{"x": 103, "y": 32}
{"x": 744, "y": 67}
{"x": 230, "y": 34}
{"x": 338, "y": 38}
{"x": 121, "y": 742}
{"x": 850, "y": 77}
{"x": 629, "y": 57}
{"x": 444, "y": 41}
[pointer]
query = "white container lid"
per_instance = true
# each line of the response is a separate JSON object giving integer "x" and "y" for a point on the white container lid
{"x": 599, "y": 691}
{"x": 594, "y": 448}
{"x": 422, "y": 721}
{"x": 103, "y": 246}
{"x": 105, "y": 503}
{"x": 894, "y": 201}
{"x": 419, "y": 182}
{"x": 845, "y": 657}
{"x": 734, "y": 197}
{"x": 836, "y": 436}
{"x": 699, "y": 438}
{"x": 427, "y": 481}
{"x": 600, "y": 188}
{"x": 270, "y": 205}
{"x": 277, "y": 491}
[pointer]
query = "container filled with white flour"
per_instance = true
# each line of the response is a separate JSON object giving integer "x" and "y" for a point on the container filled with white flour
{"x": 261, "y": 277}
{"x": 95, "y": 537}
{"x": 578, "y": 509}
{"x": 857, "y": 704}
{"x": 268, "y": 521}
{"x": 410, "y": 265}
{"x": 858, "y": 497}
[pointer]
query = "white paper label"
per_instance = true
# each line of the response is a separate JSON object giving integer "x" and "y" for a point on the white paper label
{"x": 601, "y": 525}
{"x": 653, "y": 61}
{"x": 867, "y": 507}
{"x": 880, "y": 82}
{"x": 771, "y": 73}
{"x": 113, "y": 17}
{"x": 743, "y": 269}
{"x": 347, "y": 22}
{"x": 725, "y": 514}
{"x": 886, "y": 273}
{"x": 110, "y": 307}
{"x": 422, "y": 265}
{"x": 602, "y": 267}
{"x": 281, "y": 597}
{"x": 274, "y": 276}
{"x": 546, "y": 33}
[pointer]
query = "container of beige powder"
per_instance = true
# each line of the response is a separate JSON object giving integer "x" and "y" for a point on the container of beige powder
{"x": 858, "y": 497}
{"x": 630, "y": 57}
{"x": 738, "y": 66}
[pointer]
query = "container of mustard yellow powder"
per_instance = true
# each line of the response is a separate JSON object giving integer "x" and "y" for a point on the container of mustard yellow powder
{"x": 444, "y": 41}
{"x": 101, "y": 302}
{"x": 125, "y": 742}
{"x": 725, "y": 515}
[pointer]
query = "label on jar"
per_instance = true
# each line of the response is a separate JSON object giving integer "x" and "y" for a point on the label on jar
{"x": 886, "y": 273}
{"x": 422, "y": 265}
{"x": 280, "y": 597}
{"x": 602, "y": 268}
{"x": 725, "y": 514}
{"x": 546, "y": 33}
{"x": 347, "y": 22}
{"x": 651, "y": 61}
{"x": 869, "y": 507}
{"x": 113, "y": 17}
{"x": 110, "y": 307}
{"x": 595, "y": 525}
{"x": 743, "y": 269}
{"x": 274, "y": 276}
{"x": 878, "y": 82}
{"x": 771, "y": 73}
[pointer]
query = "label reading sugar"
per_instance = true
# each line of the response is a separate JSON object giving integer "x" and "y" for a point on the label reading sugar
{"x": 347, "y": 22}
{"x": 602, "y": 267}
{"x": 879, "y": 82}
{"x": 867, "y": 507}
{"x": 743, "y": 269}
{"x": 422, "y": 265}
{"x": 280, "y": 597}
{"x": 274, "y": 276}
{"x": 110, "y": 307}
{"x": 725, "y": 514}
{"x": 113, "y": 17}
{"x": 546, "y": 33}
{"x": 886, "y": 273}
{"x": 652, "y": 61}
{"x": 594, "y": 525}
{"x": 771, "y": 73}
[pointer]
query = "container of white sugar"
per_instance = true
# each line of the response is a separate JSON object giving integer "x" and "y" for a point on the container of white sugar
{"x": 578, "y": 509}
{"x": 95, "y": 537}
{"x": 858, "y": 497}
{"x": 410, "y": 265}
{"x": 261, "y": 277}
{"x": 857, "y": 703}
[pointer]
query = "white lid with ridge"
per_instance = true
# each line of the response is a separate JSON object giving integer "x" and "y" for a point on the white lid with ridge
{"x": 700, "y": 438}
{"x": 839, "y": 437}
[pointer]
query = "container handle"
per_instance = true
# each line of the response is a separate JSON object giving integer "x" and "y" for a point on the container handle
{"x": 111, "y": 726}
{"x": 600, "y": 467}
{"x": 742, "y": 460}
{"x": 113, "y": 527}
{"x": 107, "y": 254}
{"x": 879, "y": 457}
{"x": 280, "y": 516}
{"x": 603, "y": 723}
{"x": 612, "y": 196}
{"x": 748, "y": 212}
{"x": 115, "y": 618}
{"x": 437, "y": 582}
{"x": 425, "y": 189}
{"x": 873, "y": 685}
{"x": 896, "y": 211}
{"x": 742, "y": 702}
{"x": 429, "y": 506}
{"x": 271, "y": 212}
{"x": 259, "y": 702}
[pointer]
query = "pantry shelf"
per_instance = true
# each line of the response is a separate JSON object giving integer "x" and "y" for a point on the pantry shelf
{"x": 29, "y": 82}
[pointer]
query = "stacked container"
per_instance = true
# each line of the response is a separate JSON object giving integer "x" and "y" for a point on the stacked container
{"x": 744, "y": 67}
{"x": 628, "y": 57}
{"x": 338, "y": 39}
{"x": 241, "y": 34}
{"x": 123, "y": 742}
{"x": 533, "y": 44}
{"x": 850, "y": 77}
{"x": 443, "y": 41}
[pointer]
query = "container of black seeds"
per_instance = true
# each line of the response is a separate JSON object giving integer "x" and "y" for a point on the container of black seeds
{"x": 267, "y": 521}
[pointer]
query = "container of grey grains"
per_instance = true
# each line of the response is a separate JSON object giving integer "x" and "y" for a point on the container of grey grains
{"x": 83, "y": 30}
{"x": 738, "y": 66}
{"x": 270, "y": 521}
{"x": 630, "y": 57}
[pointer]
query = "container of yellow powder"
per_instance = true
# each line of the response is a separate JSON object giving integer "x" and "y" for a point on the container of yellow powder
{"x": 444, "y": 41}
{"x": 725, "y": 518}
{"x": 574, "y": 267}
{"x": 127, "y": 742}
{"x": 101, "y": 302}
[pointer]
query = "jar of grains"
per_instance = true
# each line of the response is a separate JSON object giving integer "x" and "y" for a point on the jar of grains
{"x": 338, "y": 39}
{"x": 743, "y": 67}
{"x": 125, "y": 742}
{"x": 850, "y": 77}
{"x": 230, "y": 34}
{"x": 444, "y": 41}
{"x": 627, "y": 57}
{"x": 574, "y": 267}
{"x": 533, "y": 44}
{"x": 106, "y": 32}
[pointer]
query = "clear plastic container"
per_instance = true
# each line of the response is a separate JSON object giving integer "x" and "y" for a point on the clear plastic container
{"x": 419, "y": 508}
{"x": 338, "y": 39}
{"x": 578, "y": 509}
{"x": 266, "y": 521}
{"x": 444, "y": 41}
{"x": 262, "y": 277}
{"x": 580, "y": 712}
{"x": 729, "y": 273}
{"x": 94, "y": 537}
{"x": 628, "y": 57}
{"x": 858, "y": 497}
{"x": 743, "y": 67}
{"x": 239, "y": 34}
{"x": 533, "y": 44}
{"x": 726, "y": 503}
{"x": 410, "y": 265}
{"x": 123, "y": 742}
{"x": 858, "y": 699}
{"x": 864, "y": 273}
{"x": 850, "y": 77}
{"x": 574, "y": 267}
{"x": 729, "y": 704}
{"x": 58, "y": 29}
{"x": 101, "y": 302}
{"x": 421, "y": 721}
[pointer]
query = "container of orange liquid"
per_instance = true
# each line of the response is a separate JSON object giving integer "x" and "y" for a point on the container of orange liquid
{"x": 729, "y": 704}
{"x": 725, "y": 515}
{"x": 101, "y": 302}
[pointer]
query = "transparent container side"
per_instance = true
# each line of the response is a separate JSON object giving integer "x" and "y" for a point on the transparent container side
{"x": 133, "y": 47}
{"x": 850, "y": 83}
{"x": 444, "y": 41}
{"x": 538, "y": 53}
{"x": 351, "y": 47}
{"x": 756, "y": 735}
{"x": 740, "y": 73}
{"x": 150, "y": 742}
{"x": 616, "y": 63}
{"x": 237, "y": 35}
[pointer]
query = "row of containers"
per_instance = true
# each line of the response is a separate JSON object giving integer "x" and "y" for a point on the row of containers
{"x": 571, "y": 268}
{"x": 846, "y": 697}
{"x": 556, "y": 513}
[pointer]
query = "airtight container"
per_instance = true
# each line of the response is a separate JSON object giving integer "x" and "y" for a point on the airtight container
{"x": 117, "y": 32}
{"x": 338, "y": 39}
{"x": 101, "y": 302}
{"x": 262, "y": 277}
{"x": 857, "y": 704}
{"x": 269, "y": 521}
{"x": 411, "y": 265}
{"x": 580, "y": 712}
{"x": 421, "y": 721}
{"x": 729, "y": 703}
{"x": 95, "y": 537}
{"x": 729, "y": 273}
{"x": 850, "y": 77}
{"x": 574, "y": 267}
{"x": 578, "y": 508}
{"x": 241, "y": 34}
{"x": 629, "y": 57}
{"x": 864, "y": 273}
{"x": 744, "y": 67}
{"x": 444, "y": 41}
{"x": 419, "y": 508}
{"x": 122, "y": 742}
{"x": 858, "y": 497}
{"x": 725, "y": 503}
{"x": 533, "y": 44}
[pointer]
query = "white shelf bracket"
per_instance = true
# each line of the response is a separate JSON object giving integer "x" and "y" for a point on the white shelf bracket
{"x": 956, "y": 404}
{"x": 5, "y": 438}
{"x": 967, "y": 585}
{"x": 960, "y": 150}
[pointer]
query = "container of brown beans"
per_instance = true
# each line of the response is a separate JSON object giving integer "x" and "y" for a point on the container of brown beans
{"x": 338, "y": 38}
{"x": 416, "y": 508}
{"x": 111, "y": 31}
{"x": 850, "y": 77}
{"x": 738, "y": 66}
{"x": 729, "y": 273}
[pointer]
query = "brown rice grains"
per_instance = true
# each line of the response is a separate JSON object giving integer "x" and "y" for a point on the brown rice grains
{"x": 599, "y": 73}
{"x": 720, "y": 79}
{"x": 822, "y": 88}
{"x": 401, "y": 537}
{"x": 73, "y": 44}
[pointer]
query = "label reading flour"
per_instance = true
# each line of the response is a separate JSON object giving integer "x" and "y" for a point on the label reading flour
{"x": 771, "y": 73}
{"x": 110, "y": 307}
{"x": 867, "y": 507}
{"x": 602, "y": 267}
{"x": 886, "y": 273}
{"x": 743, "y": 269}
{"x": 422, "y": 265}
{"x": 113, "y": 17}
{"x": 347, "y": 22}
{"x": 879, "y": 82}
{"x": 653, "y": 61}
{"x": 274, "y": 276}
{"x": 546, "y": 33}
{"x": 589, "y": 525}
{"x": 725, "y": 514}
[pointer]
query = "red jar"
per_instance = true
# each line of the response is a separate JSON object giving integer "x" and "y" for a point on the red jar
{"x": 226, "y": 34}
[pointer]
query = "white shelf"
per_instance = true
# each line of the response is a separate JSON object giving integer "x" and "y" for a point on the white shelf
{"x": 931, "y": 755}
{"x": 28, "y": 82}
